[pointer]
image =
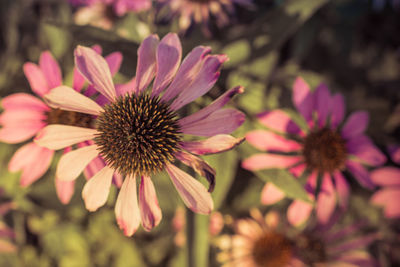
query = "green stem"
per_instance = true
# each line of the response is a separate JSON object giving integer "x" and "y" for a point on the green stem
{"x": 197, "y": 239}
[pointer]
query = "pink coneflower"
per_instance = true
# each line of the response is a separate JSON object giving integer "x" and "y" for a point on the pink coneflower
{"x": 322, "y": 148}
{"x": 202, "y": 11}
{"x": 389, "y": 179}
{"x": 25, "y": 115}
{"x": 139, "y": 132}
{"x": 267, "y": 242}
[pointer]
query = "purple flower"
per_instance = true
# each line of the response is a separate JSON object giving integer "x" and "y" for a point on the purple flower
{"x": 120, "y": 7}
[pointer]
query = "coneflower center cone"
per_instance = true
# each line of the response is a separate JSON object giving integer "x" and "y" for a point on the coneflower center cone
{"x": 271, "y": 250}
{"x": 311, "y": 250}
{"x": 325, "y": 151}
{"x": 58, "y": 116}
{"x": 138, "y": 134}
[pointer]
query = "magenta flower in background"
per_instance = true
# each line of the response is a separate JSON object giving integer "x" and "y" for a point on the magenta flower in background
{"x": 140, "y": 133}
{"x": 388, "y": 178}
{"x": 25, "y": 115}
{"x": 325, "y": 147}
{"x": 262, "y": 241}
{"x": 201, "y": 11}
{"x": 120, "y": 7}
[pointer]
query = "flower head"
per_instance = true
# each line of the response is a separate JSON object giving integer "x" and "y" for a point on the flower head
{"x": 140, "y": 132}
{"x": 322, "y": 148}
{"x": 25, "y": 115}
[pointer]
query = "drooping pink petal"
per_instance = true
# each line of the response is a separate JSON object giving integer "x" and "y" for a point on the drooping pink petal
{"x": 355, "y": 124}
{"x": 223, "y": 121}
{"x": 298, "y": 212}
{"x": 265, "y": 161}
{"x": 326, "y": 201}
{"x": 126, "y": 208}
{"x": 202, "y": 82}
{"x": 338, "y": 109}
{"x": 215, "y": 144}
{"x": 114, "y": 61}
{"x": 17, "y": 133}
{"x": 388, "y": 198}
{"x": 22, "y": 101}
{"x": 271, "y": 194}
{"x": 57, "y": 136}
{"x": 386, "y": 176}
{"x": 187, "y": 72}
{"x": 95, "y": 192}
{"x": 32, "y": 160}
{"x": 394, "y": 152}
{"x": 322, "y": 103}
{"x": 77, "y": 80}
{"x": 150, "y": 211}
{"x": 65, "y": 190}
{"x": 73, "y": 163}
{"x": 66, "y": 98}
{"x": 95, "y": 69}
{"x": 363, "y": 148}
{"x": 192, "y": 192}
{"x": 268, "y": 141}
{"x": 342, "y": 189}
{"x": 50, "y": 69}
{"x": 169, "y": 54}
{"x": 146, "y": 66}
{"x": 15, "y": 118}
{"x": 360, "y": 173}
{"x": 302, "y": 98}
{"x": 279, "y": 121}
{"x": 36, "y": 79}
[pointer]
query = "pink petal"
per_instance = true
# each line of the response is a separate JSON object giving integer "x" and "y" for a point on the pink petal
{"x": 215, "y": 144}
{"x": 394, "y": 152}
{"x": 192, "y": 192}
{"x": 202, "y": 82}
{"x": 271, "y": 194}
{"x": 93, "y": 167}
{"x": 279, "y": 121}
{"x": 264, "y": 140}
{"x": 326, "y": 201}
{"x": 51, "y": 69}
{"x": 36, "y": 79}
{"x": 214, "y": 106}
{"x": 150, "y": 211}
{"x": 338, "y": 109}
{"x": 186, "y": 72}
{"x": 65, "y": 190}
{"x": 73, "y": 163}
{"x": 126, "y": 208}
{"x": 265, "y": 161}
{"x": 125, "y": 88}
{"x": 77, "y": 80}
{"x": 363, "y": 148}
{"x": 114, "y": 61}
{"x": 57, "y": 136}
{"x": 298, "y": 170}
{"x": 95, "y": 192}
{"x": 22, "y": 101}
{"x": 15, "y": 118}
{"x": 66, "y": 98}
{"x": 342, "y": 189}
{"x": 360, "y": 173}
{"x": 355, "y": 124}
{"x": 146, "y": 66}
{"x": 386, "y": 176}
{"x": 32, "y": 160}
{"x": 20, "y": 132}
{"x": 169, "y": 54}
{"x": 298, "y": 212}
{"x": 323, "y": 103}
{"x": 95, "y": 69}
{"x": 388, "y": 198}
{"x": 223, "y": 121}
{"x": 303, "y": 98}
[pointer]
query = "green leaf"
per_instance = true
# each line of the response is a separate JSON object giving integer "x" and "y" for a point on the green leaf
{"x": 284, "y": 181}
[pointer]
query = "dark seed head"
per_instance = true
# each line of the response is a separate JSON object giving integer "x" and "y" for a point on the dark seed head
{"x": 58, "y": 116}
{"x": 271, "y": 250}
{"x": 138, "y": 134}
{"x": 311, "y": 250}
{"x": 325, "y": 151}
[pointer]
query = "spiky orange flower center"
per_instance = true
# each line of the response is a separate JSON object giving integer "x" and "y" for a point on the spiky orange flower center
{"x": 325, "y": 151}
{"x": 272, "y": 250}
{"x": 58, "y": 116}
{"x": 138, "y": 134}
